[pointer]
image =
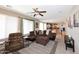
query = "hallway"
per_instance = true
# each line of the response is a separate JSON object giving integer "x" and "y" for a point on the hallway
{"x": 61, "y": 46}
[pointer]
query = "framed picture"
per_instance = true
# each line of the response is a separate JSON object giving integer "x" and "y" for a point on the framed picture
{"x": 49, "y": 25}
{"x": 76, "y": 19}
{"x": 69, "y": 22}
{"x": 36, "y": 25}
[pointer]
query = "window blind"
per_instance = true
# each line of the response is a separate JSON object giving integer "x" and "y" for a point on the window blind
{"x": 27, "y": 26}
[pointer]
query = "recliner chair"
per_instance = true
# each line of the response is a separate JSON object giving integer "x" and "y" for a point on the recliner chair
{"x": 69, "y": 42}
{"x": 15, "y": 42}
{"x": 32, "y": 36}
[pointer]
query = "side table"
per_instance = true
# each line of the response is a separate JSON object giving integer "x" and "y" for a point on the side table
{"x": 27, "y": 41}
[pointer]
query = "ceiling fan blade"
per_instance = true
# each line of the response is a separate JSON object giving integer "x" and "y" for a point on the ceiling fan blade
{"x": 42, "y": 11}
{"x": 34, "y": 15}
{"x": 41, "y": 14}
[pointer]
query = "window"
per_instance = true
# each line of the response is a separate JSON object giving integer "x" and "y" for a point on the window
{"x": 45, "y": 27}
{"x": 2, "y": 26}
{"x": 8, "y": 24}
{"x": 41, "y": 26}
{"x": 11, "y": 25}
{"x": 27, "y": 26}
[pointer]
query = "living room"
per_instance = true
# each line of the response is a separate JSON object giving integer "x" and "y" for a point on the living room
{"x": 39, "y": 29}
{"x": 32, "y": 29}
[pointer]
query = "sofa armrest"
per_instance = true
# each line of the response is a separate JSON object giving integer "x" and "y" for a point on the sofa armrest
{"x": 6, "y": 43}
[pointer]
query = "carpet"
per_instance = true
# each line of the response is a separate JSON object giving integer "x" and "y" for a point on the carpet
{"x": 36, "y": 48}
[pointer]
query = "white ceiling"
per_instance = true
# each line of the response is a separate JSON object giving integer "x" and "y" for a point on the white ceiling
{"x": 54, "y": 12}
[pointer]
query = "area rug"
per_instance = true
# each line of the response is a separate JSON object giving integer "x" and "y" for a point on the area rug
{"x": 36, "y": 48}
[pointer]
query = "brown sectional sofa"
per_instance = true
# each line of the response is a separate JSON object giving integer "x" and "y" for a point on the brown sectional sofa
{"x": 41, "y": 37}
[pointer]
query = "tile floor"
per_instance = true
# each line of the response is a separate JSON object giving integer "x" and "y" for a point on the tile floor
{"x": 61, "y": 46}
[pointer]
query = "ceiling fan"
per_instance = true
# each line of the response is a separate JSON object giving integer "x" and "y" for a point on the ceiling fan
{"x": 37, "y": 12}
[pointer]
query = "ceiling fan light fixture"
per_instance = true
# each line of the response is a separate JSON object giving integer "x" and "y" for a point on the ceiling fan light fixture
{"x": 37, "y": 12}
